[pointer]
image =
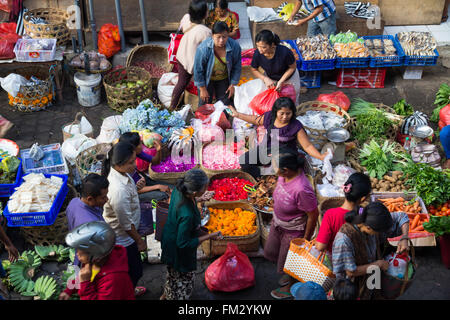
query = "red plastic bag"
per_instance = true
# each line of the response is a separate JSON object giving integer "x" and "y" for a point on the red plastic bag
{"x": 109, "y": 40}
{"x": 288, "y": 90}
{"x": 8, "y": 39}
{"x": 233, "y": 271}
{"x": 444, "y": 117}
{"x": 264, "y": 101}
{"x": 338, "y": 98}
{"x": 205, "y": 110}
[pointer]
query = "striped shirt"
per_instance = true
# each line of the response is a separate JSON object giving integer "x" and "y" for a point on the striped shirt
{"x": 328, "y": 8}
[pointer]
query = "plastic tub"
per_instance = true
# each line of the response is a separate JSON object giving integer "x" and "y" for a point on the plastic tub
{"x": 24, "y": 54}
{"x": 88, "y": 88}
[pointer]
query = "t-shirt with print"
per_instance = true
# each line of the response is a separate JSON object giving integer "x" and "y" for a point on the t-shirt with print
{"x": 294, "y": 198}
{"x": 278, "y": 65}
{"x": 332, "y": 221}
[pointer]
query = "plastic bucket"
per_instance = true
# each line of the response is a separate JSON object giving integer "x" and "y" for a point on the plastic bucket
{"x": 88, "y": 88}
{"x": 162, "y": 211}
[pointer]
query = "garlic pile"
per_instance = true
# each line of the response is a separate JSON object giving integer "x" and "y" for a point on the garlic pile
{"x": 35, "y": 194}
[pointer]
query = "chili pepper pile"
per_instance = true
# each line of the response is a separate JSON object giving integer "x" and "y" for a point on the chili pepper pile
{"x": 154, "y": 70}
{"x": 229, "y": 189}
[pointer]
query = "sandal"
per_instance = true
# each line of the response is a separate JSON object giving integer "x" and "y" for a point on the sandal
{"x": 284, "y": 280}
{"x": 139, "y": 291}
{"x": 280, "y": 295}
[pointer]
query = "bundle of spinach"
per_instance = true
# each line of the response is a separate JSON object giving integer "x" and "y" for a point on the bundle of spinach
{"x": 438, "y": 225}
{"x": 402, "y": 108}
{"x": 432, "y": 185}
{"x": 370, "y": 122}
{"x": 442, "y": 99}
{"x": 378, "y": 160}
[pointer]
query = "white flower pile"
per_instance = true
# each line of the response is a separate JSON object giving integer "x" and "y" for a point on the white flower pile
{"x": 36, "y": 194}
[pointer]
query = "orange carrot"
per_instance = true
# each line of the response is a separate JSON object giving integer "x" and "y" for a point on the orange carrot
{"x": 415, "y": 221}
{"x": 419, "y": 228}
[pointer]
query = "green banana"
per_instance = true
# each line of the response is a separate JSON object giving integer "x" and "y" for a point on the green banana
{"x": 31, "y": 258}
{"x": 45, "y": 287}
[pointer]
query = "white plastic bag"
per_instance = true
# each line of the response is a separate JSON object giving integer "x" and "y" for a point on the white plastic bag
{"x": 245, "y": 93}
{"x": 36, "y": 152}
{"x": 243, "y": 129}
{"x": 166, "y": 85}
{"x": 341, "y": 174}
{"x": 328, "y": 190}
{"x": 185, "y": 111}
{"x": 327, "y": 167}
{"x": 74, "y": 145}
{"x": 110, "y": 129}
{"x": 215, "y": 116}
{"x": 12, "y": 83}
{"x": 207, "y": 132}
{"x": 84, "y": 127}
{"x": 258, "y": 14}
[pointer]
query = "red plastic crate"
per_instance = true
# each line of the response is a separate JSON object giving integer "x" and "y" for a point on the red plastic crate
{"x": 361, "y": 78}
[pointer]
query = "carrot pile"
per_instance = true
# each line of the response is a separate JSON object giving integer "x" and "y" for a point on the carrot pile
{"x": 400, "y": 204}
{"x": 416, "y": 222}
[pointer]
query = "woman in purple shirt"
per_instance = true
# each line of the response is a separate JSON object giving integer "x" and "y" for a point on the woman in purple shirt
{"x": 294, "y": 214}
{"x": 282, "y": 126}
{"x": 148, "y": 189}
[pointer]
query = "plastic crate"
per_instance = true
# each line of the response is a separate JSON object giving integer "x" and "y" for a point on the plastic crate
{"x": 390, "y": 61}
{"x": 294, "y": 46}
{"x": 419, "y": 60}
{"x": 352, "y": 62}
{"x": 24, "y": 55}
{"x": 310, "y": 79}
{"x": 6, "y": 190}
{"x": 314, "y": 65}
{"x": 34, "y": 219}
{"x": 52, "y": 163}
{"x": 361, "y": 78}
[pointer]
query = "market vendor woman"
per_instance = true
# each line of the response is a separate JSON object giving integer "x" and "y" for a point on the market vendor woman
{"x": 277, "y": 61}
{"x": 289, "y": 132}
{"x": 217, "y": 66}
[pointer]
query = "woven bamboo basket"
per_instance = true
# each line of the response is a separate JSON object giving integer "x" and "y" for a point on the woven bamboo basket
{"x": 245, "y": 243}
{"x": 54, "y": 234}
{"x": 76, "y": 121}
{"x": 318, "y": 137}
{"x": 191, "y": 99}
{"x": 36, "y": 97}
{"x": 210, "y": 173}
{"x": 150, "y": 53}
{"x": 264, "y": 221}
{"x": 121, "y": 99}
{"x": 90, "y": 156}
{"x": 56, "y": 29}
{"x": 240, "y": 175}
{"x": 320, "y": 198}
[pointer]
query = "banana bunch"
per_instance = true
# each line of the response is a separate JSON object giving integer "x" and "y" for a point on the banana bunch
{"x": 31, "y": 258}
{"x": 6, "y": 264}
{"x": 44, "y": 288}
{"x": 53, "y": 252}
{"x": 72, "y": 254}
{"x": 20, "y": 275}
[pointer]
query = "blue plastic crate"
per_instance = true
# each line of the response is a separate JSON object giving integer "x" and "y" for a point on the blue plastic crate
{"x": 310, "y": 79}
{"x": 313, "y": 65}
{"x": 34, "y": 219}
{"x": 419, "y": 60}
{"x": 392, "y": 61}
{"x": 6, "y": 190}
{"x": 352, "y": 62}
{"x": 294, "y": 45}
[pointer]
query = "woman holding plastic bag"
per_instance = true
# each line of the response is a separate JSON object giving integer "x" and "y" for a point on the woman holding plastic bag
{"x": 295, "y": 215}
{"x": 281, "y": 125}
{"x": 182, "y": 235}
{"x": 278, "y": 63}
{"x": 359, "y": 244}
{"x": 217, "y": 66}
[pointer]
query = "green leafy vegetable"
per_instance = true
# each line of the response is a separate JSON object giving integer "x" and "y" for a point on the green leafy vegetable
{"x": 438, "y": 225}
{"x": 379, "y": 159}
{"x": 402, "y": 108}
{"x": 432, "y": 185}
{"x": 442, "y": 99}
{"x": 8, "y": 170}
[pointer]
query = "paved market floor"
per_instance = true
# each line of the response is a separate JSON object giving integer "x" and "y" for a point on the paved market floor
{"x": 432, "y": 280}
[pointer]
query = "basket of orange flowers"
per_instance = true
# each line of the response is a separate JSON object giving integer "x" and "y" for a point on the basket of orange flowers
{"x": 238, "y": 223}
{"x": 38, "y": 94}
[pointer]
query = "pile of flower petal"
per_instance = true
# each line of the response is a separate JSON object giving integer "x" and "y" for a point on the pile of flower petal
{"x": 35, "y": 194}
{"x": 235, "y": 222}
{"x": 221, "y": 157}
{"x": 168, "y": 165}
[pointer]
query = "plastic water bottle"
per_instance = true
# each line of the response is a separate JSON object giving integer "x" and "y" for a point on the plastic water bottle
{"x": 407, "y": 144}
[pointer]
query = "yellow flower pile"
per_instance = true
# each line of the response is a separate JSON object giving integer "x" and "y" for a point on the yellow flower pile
{"x": 235, "y": 222}
{"x": 27, "y": 101}
{"x": 244, "y": 80}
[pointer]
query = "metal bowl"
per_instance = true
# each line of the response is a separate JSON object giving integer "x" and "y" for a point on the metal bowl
{"x": 338, "y": 135}
{"x": 423, "y": 131}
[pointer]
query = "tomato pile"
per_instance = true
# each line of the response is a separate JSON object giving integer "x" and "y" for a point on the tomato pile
{"x": 441, "y": 210}
{"x": 229, "y": 189}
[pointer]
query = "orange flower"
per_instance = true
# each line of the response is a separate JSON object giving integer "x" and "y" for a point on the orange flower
{"x": 235, "y": 222}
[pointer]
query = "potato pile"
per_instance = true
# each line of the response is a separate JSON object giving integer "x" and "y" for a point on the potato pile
{"x": 390, "y": 183}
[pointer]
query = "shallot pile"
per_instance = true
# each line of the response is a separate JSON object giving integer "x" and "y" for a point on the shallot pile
{"x": 154, "y": 70}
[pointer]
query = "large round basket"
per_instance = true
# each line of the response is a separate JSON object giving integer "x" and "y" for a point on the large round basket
{"x": 33, "y": 97}
{"x": 329, "y": 203}
{"x": 55, "y": 29}
{"x": 318, "y": 137}
{"x": 240, "y": 175}
{"x": 245, "y": 243}
{"x": 167, "y": 177}
{"x": 121, "y": 99}
{"x": 91, "y": 157}
{"x": 54, "y": 234}
{"x": 158, "y": 55}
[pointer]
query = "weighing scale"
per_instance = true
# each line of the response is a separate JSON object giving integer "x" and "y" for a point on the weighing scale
{"x": 337, "y": 138}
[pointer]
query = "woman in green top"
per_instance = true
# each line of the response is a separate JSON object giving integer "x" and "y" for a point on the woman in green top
{"x": 182, "y": 235}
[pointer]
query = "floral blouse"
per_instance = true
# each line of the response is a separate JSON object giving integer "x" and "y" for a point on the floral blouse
{"x": 231, "y": 20}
